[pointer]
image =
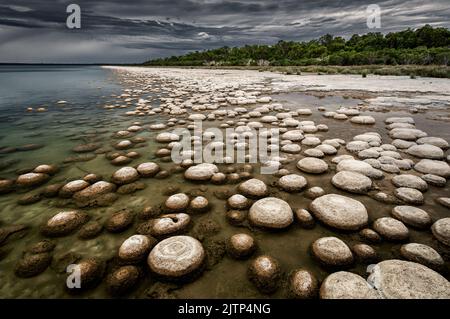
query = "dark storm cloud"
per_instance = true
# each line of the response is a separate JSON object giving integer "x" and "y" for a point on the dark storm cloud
{"x": 135, "y": 30}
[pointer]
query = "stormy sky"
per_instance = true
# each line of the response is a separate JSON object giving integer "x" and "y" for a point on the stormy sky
{"x": 133, "y": 31}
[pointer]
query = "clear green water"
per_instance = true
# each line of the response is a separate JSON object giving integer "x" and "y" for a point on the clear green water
{"x": 83, "y": 120}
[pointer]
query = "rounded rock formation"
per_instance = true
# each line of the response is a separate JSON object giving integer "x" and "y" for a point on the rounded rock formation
{"x": 332, "y": 252}
{"x": 271, "y": 212}
{"x": 339, "y": 212}
{"x": 176, "y": 256}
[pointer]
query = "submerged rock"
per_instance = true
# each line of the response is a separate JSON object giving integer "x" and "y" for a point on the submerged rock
{"x": 265, "y": 273}
{"x": 122, "y": 280}
{"x": 31, "y": 179}
{"x": 303, "y": 284}
{"x": 32, "y": 265}
{"x": 64, "y": 223}
{"x": 119, "y": 221}
{"x": 241, "y": 246}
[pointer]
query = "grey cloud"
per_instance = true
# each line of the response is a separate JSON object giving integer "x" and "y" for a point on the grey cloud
{"x": 136, "y": 30}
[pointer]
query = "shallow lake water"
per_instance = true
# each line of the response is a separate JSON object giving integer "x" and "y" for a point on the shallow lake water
{"x": 84, "y": 120}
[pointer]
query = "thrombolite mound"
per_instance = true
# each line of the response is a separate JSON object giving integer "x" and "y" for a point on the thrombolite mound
{"x": 391, "y": 229}
{"x": 409, "y": 195}
{"x": 412, "y": 216}
{"x": 340, "y": 212}
{"x": 265, "y": 272}
{"x": 352, "y": 182}
{"x": 359, "y": 167}
{"x": 441, "y": 230}
{"x": 422, "y": 254}
{"x": 332, "y": 251}
{"x": 410, "y": 181}
{"x": 201, "y": 172}
{"x": 31, "y": 179}
{"x": 292, "y": 182}
{"x": 434, "y": 167}
{"x": 254, "y": 188}
{"x": 176, "y": 256}
{"x": 426, "y": 151}
{"x": 346, "y": 285}
{"x": 135, "y": 248}
{"x": 397, "y": 279}
{"x": 64, "y": 223}
{"x": 303, "y": 284}
{"x": 312, "y": 165}
{"x": 271, "y": 212}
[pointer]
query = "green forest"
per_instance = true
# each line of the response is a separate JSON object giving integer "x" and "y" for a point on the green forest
{"x": 424, "y": 46}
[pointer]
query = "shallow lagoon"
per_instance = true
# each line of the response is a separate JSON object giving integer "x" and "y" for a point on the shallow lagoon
{"x": 83, "y": 120}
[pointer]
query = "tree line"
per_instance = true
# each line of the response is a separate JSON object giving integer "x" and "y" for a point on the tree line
{"x": 423, "y": 46}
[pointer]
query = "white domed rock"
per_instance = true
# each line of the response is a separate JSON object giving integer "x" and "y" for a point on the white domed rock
{"x": 426, "y": 151}
{"x": 346, "y": 285}
{"x": 359, "y": 167}
{"x": 177, "y": 202}
{"x": 412, "y": 216}
{"x": 134, "y": 248}
{"x": 422, "y": 254}
{"x": 332, "y": 251}
{"x": 409, "y": 195}
{"x": 397, "y": 279}
{"x": 176, "y": 256}
{"x": 31, "y": 179}
{"x": 238, "y": 201}
{"x": 201, "y": 172}
{"x": 434, "y": 167}
{"x": 271, "y": 212}
{"x": 411, "y": 181}
{"x": 292, "y": 183}
{"x": 125, "y": 175}
{"x": 312, "y": 165}
{"x": 357, "y": 146}
{"x": 291, "y": 148}
{"x": 63, "y": 223}
{"x": 169, "y": 224}
{"x": 436, "y": 141}
{"x": 391, "y": 229}
{"x": 441, "y": 230}
{"x": 148, "y": 169}
{"x": 254, "y": 188}
{"x": 340, "y": 212}
{"x": 352, "y": 182}
{"x": 363, "y": 119}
